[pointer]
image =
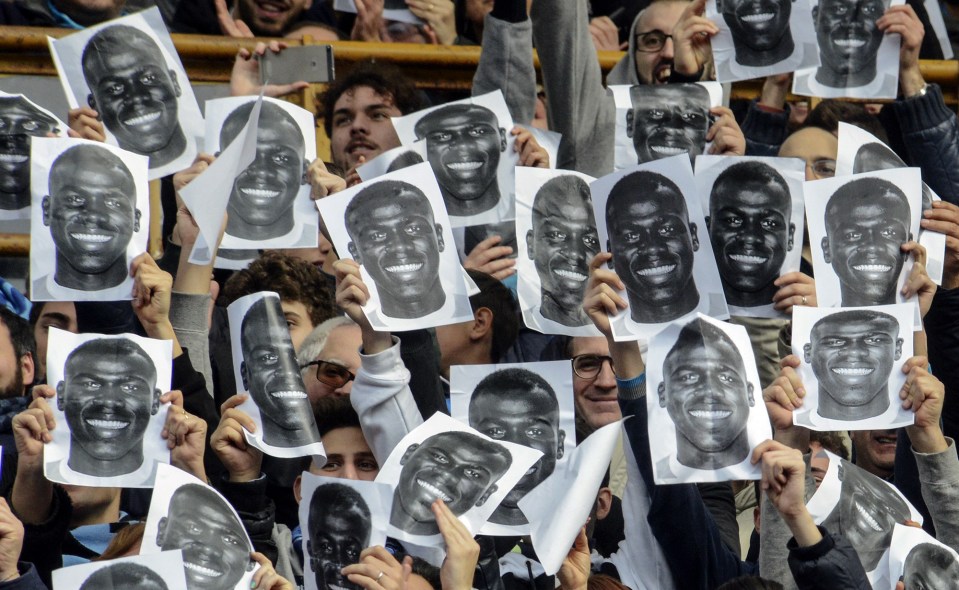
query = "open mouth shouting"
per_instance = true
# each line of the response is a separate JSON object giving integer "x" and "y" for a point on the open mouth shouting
{"x": 434, "y": 491}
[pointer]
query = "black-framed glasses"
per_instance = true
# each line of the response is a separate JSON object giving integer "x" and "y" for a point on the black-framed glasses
{"x": 330, "y": 374}
{"x": 588, "y": 366}
{"x": 824, "y": 168}
{"x": 651, "y": 41}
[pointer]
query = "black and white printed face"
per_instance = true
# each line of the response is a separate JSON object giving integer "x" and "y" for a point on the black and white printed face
{"x": 871, "y": 157}
{"x": 928, "y": 567}
{"x": 667, "y": 120}
{"x": 340, "y": 528}
{"x": 760, "y": 30}
{"x": 120, "y": 576}
{"x": 19, "y": 121}
{"x": 848, "y": 38}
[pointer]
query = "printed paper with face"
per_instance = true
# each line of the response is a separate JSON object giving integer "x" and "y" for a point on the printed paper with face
{"x": 856, "y": 59}
{"x": 187, "y": 514}
{"x": 857, "y": 226}
{"x": 392, "y": 160}
{"x": 340, "y": 518}
{"x": 20, "y": 120}
{"x": 864, "y": 509}
{"x": 161, "y": 571}
{"x": 268, "y": 202}
{"x": 651, "y": 220}
{"x": 861, "y": 151}
{"x": 529, "y": 404}
{"x": 660, "y": 121}
{"x": 759, "y": 39}
{"x": 265, "y": 367}
{"x": 89, "y": 219}
{"x": 107, "y": 409}
{"x": 395, "y": 227}
{"x": 920, "y": 561}
{"x": 446, "y": 459}
{"x": 706, "y": 413}
{"x": 469, "y": 146}
{"x": 129, "y": 71}
{"x": 754, "y": 216}
{"x": 557, "y": 240}
{"x": 852, "y": 366}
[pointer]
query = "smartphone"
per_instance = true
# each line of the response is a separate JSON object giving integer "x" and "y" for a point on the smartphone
{"x": 310, "y": 63}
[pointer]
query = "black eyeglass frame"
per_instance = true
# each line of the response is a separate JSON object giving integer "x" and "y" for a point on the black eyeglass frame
{"x": 603, "y": 358}
{"x": 319, "y": 373}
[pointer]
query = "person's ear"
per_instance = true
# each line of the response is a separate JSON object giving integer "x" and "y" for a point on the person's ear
{"x": 156, "y": 402}
{"x": 824, "y": 244}
{"x": 749, "y": 394}
{"x": 661, "y": 392}
{"x": 245, "y": 375}
{"x": 45, "y": 210}
{"x": 27, "y": 368}
{"x": 440, "y": 242}
{"x": 136, "y": 220}
{"x": 629, "y": 123}
{"x": 792, "y": 232}
{"x": 707, "y": 222}
{"x": 529, "y": 244}
{"x": 176, "y": 83}
{"x": 694, "y": 234}
{"x": 898, "y": 348}
{"x": 482, "y": 324}
{"x": 309, "y": 546}
{"x": 561, "y": 447}
{"x": 92, "y": 102}
{"x": 489, "y": 492}
{"x": 298, "y": 489}
{"x": 604, "y": 502}
{"x": 409, "y": 452}
{"x": 354, "y": 252}
{"x": 909, "y": 239}
{"x": 502, "y": 139}
{"x": 609, "y": 245}
{"x": 161, "y": 531}
{"x": 807, "y": 352}
{"x": 815, "y": 13}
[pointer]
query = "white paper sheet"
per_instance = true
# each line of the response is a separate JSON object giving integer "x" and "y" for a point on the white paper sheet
{"x": 920, "y": 560}
{"x": 161, "y": 571}
{"x": 393, "y": 160}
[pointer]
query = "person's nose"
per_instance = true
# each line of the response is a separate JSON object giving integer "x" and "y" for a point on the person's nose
{"x": 360, "y": 125}
{"x": 344, "y": 389}
{"x": 94, "y": 212}
{"x": 349, "y": 471}
{"x": 666, "y": 53}
{"x": 606, "y": 378}
{"x": 401, "y": 243}
{"x": 751, "y": 232}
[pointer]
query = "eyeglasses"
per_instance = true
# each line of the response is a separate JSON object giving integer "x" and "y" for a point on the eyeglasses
{"x": 651, "y": 41}
{"x": 588, "y": 366}
{"x": 330, "y": 374}
{"x": 824, "y": 168}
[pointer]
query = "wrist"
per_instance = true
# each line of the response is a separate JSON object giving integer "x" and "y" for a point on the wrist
{"x": 803, "y": 528}
{"x": 161, "y": 329}
{"x": 375, "y": 342}
{"x": 911, "y": 82}
{"x": 773, "y": 95}
{"x": 244, "y": 476}
{"x": 927, "y": 440}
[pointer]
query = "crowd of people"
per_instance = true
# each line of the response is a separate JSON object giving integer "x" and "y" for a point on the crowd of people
{"x": 368, "y": 388}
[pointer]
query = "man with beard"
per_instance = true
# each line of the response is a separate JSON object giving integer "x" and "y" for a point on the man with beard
{"x": 19, "y": 121}
{"x": 458, "y": 467}
{"x": 928, "y": 567}
{"x": 867, "y": 221}
{"x": 750, "y": 229}
{"x": 135, "y": 92}
{"x": 653, "y": 245}
{"x": 852, "y": 355}
{"x": 849, "y": 42}
{"x": 707, "y": 394}
{"x": 270, "y": 18}
{"x": 463, "y": 146}
{"x": 261, "y": 204}
{"x": 668, "y": 120}
{"x": 216, "y": 550}
{"x": 866, "y": 513}
{"x": 874, "y": 156}
{"x": 393, "y": 235}
{"x": 17, "y": 359}
{"x": 561, "y": 243}
{"x": 92, "y": 215}
{"x": 339, "y": 529}
{"x": 519, "y": 406}
{"x": 108, "y": 396}
{"x": 271, "y": 375}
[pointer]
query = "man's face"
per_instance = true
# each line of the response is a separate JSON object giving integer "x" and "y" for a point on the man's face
{"x": 750, "y": 232}
{"x": 923, "y": 570}
{"x": 863, "y": 243}
{"x": 348, "y": 456}
{"x": 847, "y": 33}
{"x": 136, "y": 96}
{"x": 92, "y": 217}
{"x": 526, "y": 418}
{"x": 656, "y": 67}
{"x": 11, "y": 372}
{"x": 341, "y": 348}
{"x": 464, "y": 151}
{"x": 56, "y": 314}
{"x": 108, "y": 401}
{"x": 271, "y": 18}
{"x": 215, "y": 551}
{"x": 336, "y": 541}
{"x": 653, "y": 245}
{"x": 362, "y": 126}
{"x": 810, "y": 145}
{"x": 399, "y": 245}
{"x": 89, "y": 12}
{"x": 759, "y": 24}
{"x": 298, "y": 321}
{"x": 667, "y": 122}
{"x": 264, "y": 192}
{"x": 18, "y": 123}
{"x": 460, "y": 474}
{"x": 875, "y": 451}
{"x": 561, "y": 244}
{"x": 596, "y": 399}
{"x": 853, "y": 359}
{"x": 707, "y": 394}
{"x": 271, "y": 373}
{"x": 868, "y": 512}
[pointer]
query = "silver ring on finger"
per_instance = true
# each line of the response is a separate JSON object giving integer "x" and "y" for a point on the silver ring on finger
{"x": 803, "y": 300}
{"x": 380, "y": 576}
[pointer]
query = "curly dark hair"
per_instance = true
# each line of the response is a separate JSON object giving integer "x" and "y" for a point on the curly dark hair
{"x": 291, "y": 278}
{"x": 384, "y": 79}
